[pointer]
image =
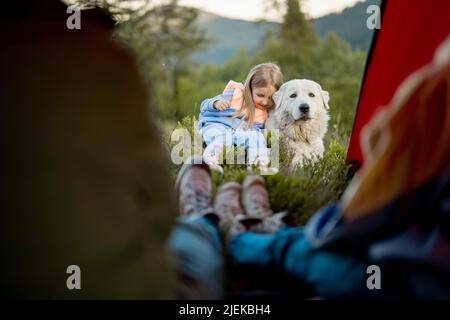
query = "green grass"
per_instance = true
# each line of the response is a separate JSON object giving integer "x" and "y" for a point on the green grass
{"x": 300, "y": 192}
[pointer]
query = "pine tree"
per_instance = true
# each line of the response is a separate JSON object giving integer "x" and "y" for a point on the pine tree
{"x": 296, "y": 29}
{"x": 294, "y": 43}
{"x": 163, "y": 38}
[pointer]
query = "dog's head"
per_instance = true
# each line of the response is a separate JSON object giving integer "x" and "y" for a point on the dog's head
{"x": 302, "y": 99}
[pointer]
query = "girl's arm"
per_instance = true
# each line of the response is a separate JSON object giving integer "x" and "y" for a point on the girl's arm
{"x": 258, "y": 126}
{"x": 208, "y": 104}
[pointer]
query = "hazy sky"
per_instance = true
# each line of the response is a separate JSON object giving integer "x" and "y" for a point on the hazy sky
{"x": 254, "y": 9}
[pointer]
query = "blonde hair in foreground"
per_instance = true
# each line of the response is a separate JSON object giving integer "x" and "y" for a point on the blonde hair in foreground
{"x": 406, "y": 144}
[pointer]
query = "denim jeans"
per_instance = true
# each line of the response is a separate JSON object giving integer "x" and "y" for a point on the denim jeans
{"x": 196, "y": 242}
{"x": 217, "y": 136}
{"x": 197, "y": 246}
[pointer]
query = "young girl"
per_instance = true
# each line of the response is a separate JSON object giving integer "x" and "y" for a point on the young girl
{"x": 237, "y": 115}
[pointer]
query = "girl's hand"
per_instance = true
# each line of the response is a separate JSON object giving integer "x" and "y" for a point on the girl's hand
{"x": 221, "y": 105}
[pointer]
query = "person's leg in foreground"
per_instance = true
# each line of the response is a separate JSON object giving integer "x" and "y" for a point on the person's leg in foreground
{"x": 195, "y": 241}
{"x": 288, "y": 252}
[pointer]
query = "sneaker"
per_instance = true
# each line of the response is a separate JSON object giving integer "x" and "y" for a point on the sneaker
{"x": 267, "y": 171}
{"x": 255, "y": 198}
{"x": 262, "y": 162}
{"x": 211, "y": 156}
{"x": 227, "y": 202}
{"x": 194, "y": 187}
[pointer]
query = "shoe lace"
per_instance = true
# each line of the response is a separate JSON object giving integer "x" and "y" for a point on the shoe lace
{"x": 198, "y": 200}
{"x": 259, "y": 204}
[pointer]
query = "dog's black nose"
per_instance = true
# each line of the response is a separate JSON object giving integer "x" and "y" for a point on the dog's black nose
{"x": 304, "y": 107}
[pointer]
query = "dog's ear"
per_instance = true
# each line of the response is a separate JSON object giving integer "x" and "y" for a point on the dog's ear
{"x": 278, "y": 96}
{"x": 325, "y": 98}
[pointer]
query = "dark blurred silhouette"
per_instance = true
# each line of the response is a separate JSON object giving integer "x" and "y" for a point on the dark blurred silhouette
{"x": 84, "y": 176}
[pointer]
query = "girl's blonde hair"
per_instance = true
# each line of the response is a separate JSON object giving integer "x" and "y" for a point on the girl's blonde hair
{"x": 261, "y": 75}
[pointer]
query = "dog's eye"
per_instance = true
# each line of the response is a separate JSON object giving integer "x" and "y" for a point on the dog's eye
{"x": 312, "y": 95}
{"x": 294, "y": 95}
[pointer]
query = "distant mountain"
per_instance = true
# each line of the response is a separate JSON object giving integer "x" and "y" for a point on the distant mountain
{"x": 231, "y": 34}
{"x": 349, "y": 24}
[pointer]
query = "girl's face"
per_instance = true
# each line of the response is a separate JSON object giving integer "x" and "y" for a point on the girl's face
{"x": 262, "y": 97}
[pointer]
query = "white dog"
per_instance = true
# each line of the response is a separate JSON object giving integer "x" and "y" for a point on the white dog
{"x": 301, "y": 115}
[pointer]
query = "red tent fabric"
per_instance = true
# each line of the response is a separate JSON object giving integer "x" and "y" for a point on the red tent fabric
{"x": 410, "y": 32}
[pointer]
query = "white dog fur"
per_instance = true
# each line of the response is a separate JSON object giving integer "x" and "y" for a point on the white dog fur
{"x": 301, "y": 115}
